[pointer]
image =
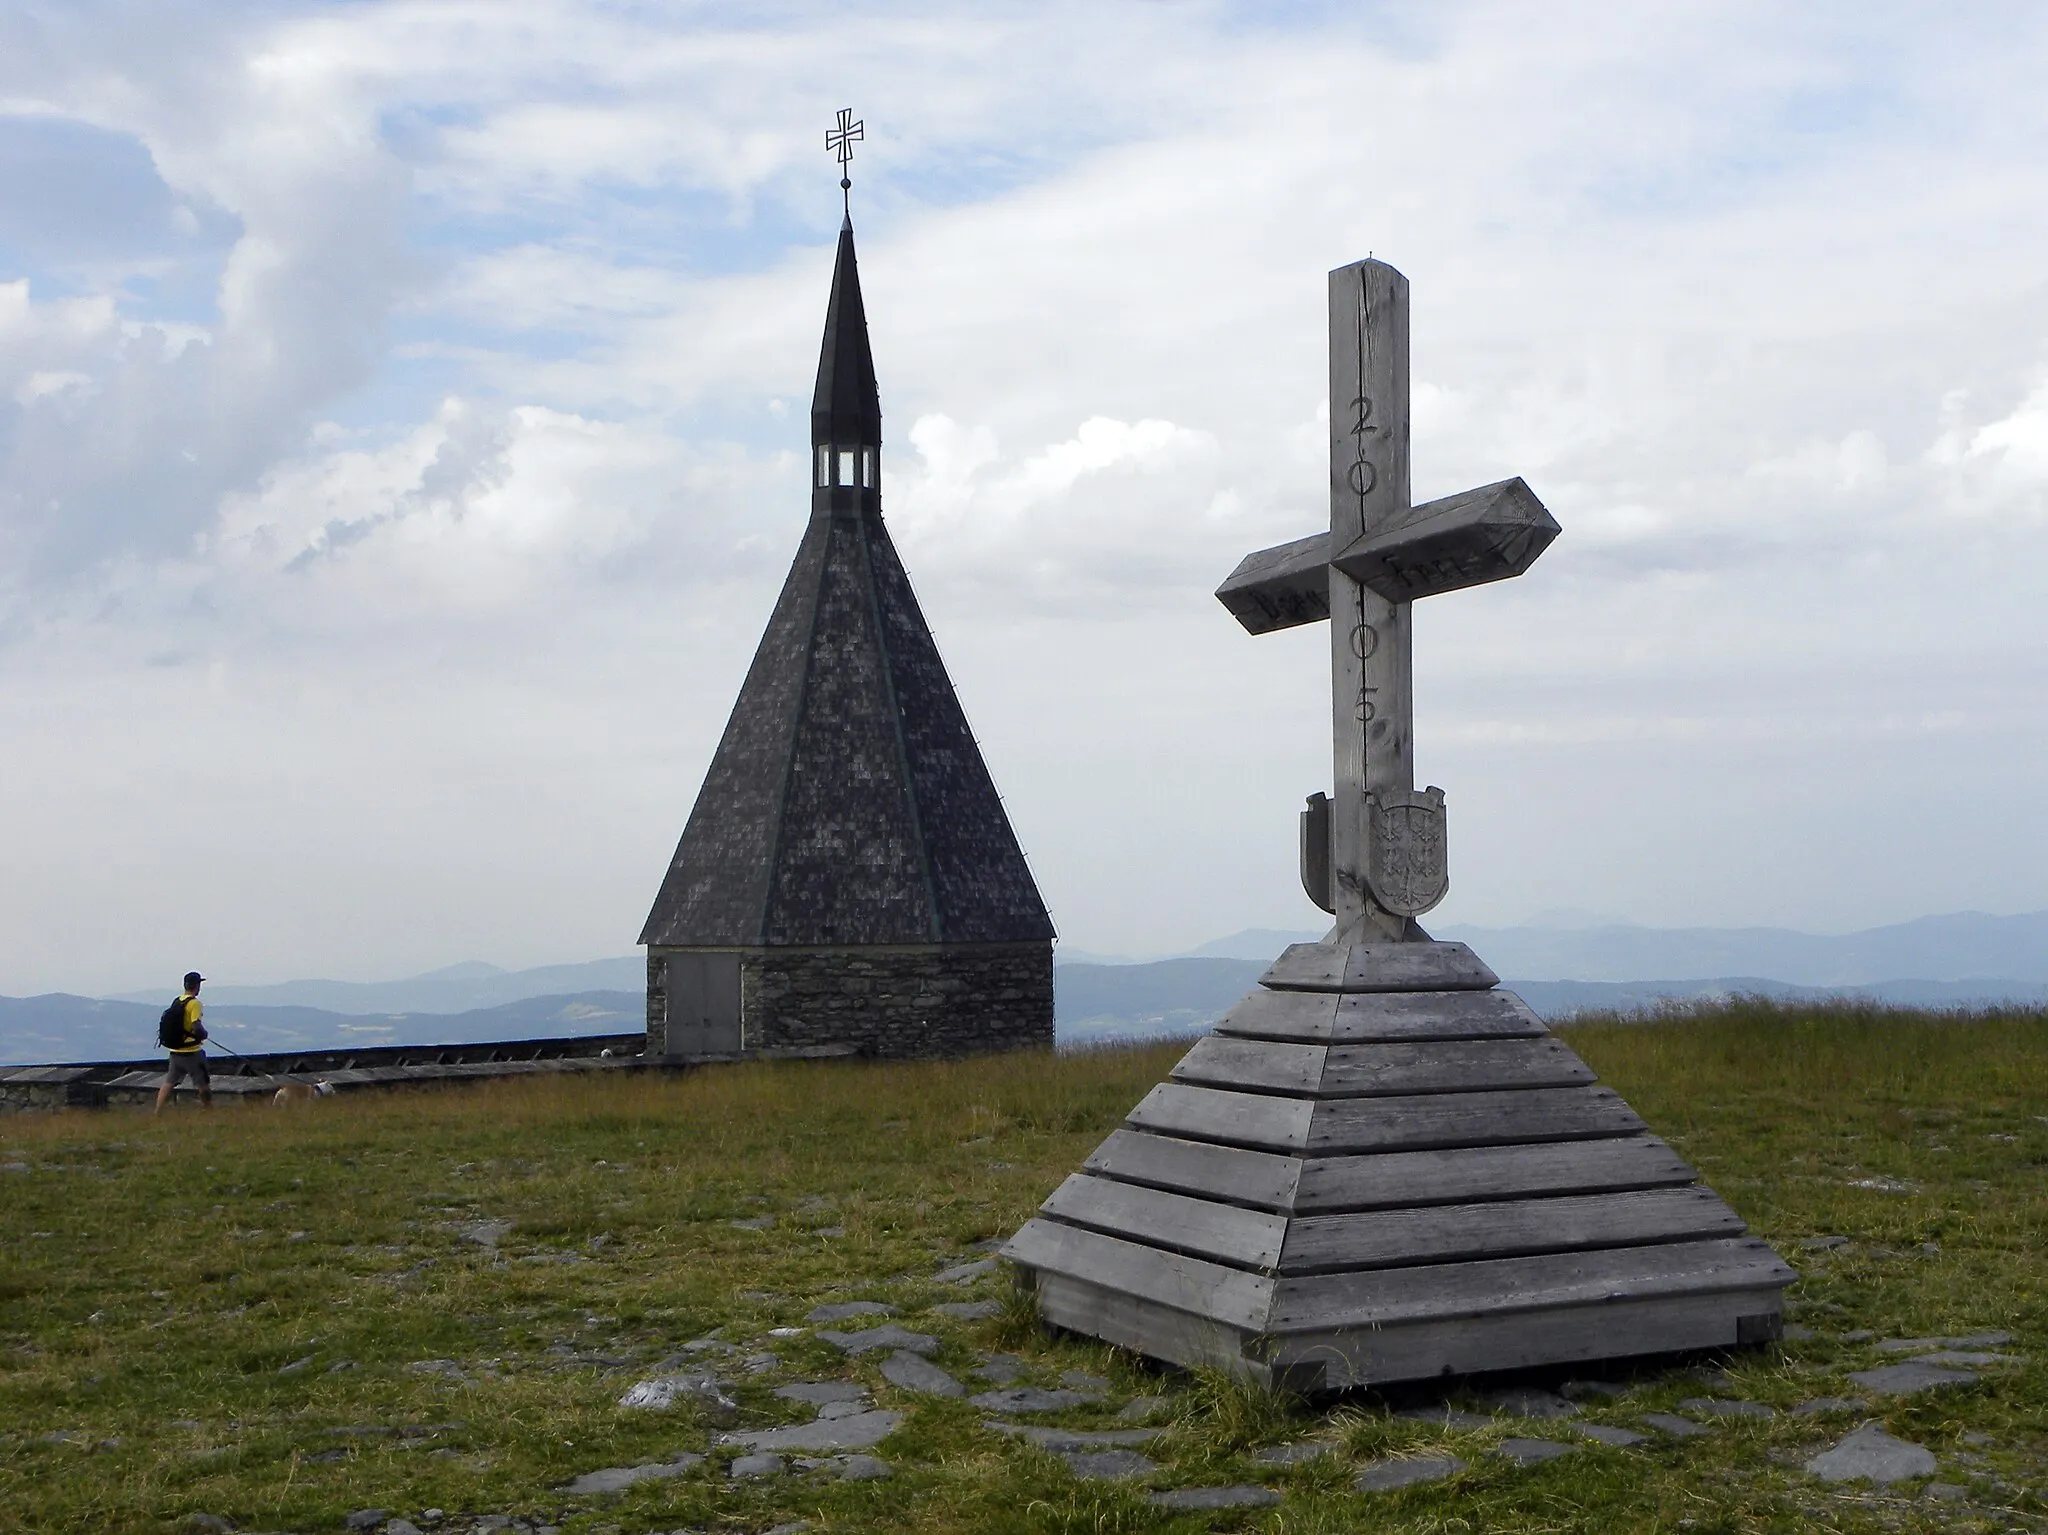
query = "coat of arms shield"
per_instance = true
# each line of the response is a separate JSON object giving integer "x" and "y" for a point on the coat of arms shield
{"x": 1407, "y": 866}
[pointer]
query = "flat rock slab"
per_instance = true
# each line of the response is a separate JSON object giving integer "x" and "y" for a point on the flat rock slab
{"x": 1605, "y": 1433}
{"x": 965, "y": 1273}
{"x": 749, "y": 1466}
{"x": 1528, "y": 1402}
{"x": 1033, "y": 1399}
{"x": 1139, "y": 1408}
{"x": 886, "y": 1336}
{"x": 1972, "y": 1359}
{"x": 1872, "y": 1455}
{"x": 1922, "y": 1345}
{"x": 969, "y": 1310}
{"x": 1000, "y": 1368}
{"x": 1391, "y": 1474}
{"x": 619, "y": 1478}
{"x": 662, "y": 1392}
{"x": 913, "y": 1372}
{"x": 1533, "y": 1452}
{"x": 862, "y": 1468}
{"x": 1910, "y": 1378}
{"x": 1107, "y": 1465}
{"x": 846, "y": 1311}
{"x": 1821, "y": 1404}
{"x": 819, "y": 1392}
{"x": 1720, "y": 1407}
{"x": 856, "y": 1431}
{"x": 1074, "y": 1438}
{"x": 1215, "y": 1497}
{"x": 1446, "y": 1417}
{"x": 1081, "y": 1380}
{"x": 1677, "y": 1427}
{"x": 1291, "y": 1454}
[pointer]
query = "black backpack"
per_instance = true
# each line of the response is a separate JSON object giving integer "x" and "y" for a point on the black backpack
{"x": 170, "y": 1028}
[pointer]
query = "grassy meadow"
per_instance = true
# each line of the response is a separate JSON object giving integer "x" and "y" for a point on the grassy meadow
{"x": 433, "y": 1300}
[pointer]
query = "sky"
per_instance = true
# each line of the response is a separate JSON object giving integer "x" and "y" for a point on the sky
{"x": 403, "y": 439}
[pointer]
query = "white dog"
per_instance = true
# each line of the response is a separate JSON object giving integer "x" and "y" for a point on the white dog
{"x": 301, "y": 1092}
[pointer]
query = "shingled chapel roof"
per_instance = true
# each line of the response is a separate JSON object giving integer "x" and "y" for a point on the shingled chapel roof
{"x": 848, "y": 802}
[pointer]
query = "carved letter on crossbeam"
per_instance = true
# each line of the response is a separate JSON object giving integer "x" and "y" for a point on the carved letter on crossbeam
{"x": 1384, "y": 862}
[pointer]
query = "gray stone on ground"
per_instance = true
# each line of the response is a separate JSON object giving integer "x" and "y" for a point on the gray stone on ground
{"x": 754, "y": 1223}
{"x": 207, "y": 1522}
{"x": 760, "y": 1364}
{"x": 830, "y": 1231}
{"x": 659, "y": 1393}
{"x": 888, "y": 1335}
{"x": 788, "y": 1527}
{"x": 295, "y": 1366}
{"x": 1081, "y": 1380}
{"x": 1074, "y": 1438}
{"x": 1821, "y": 1404}
{"x": 401, "y": 1527}
{"x": 1441, "y": 1416}
{"x": 843, "y": 1311}
{"x": 819, "y": 1392}
{"x": 969, "y": 1310}
{"x": 1871, "y": 1455}
{"x": 1139, "y": 1408}
{"x": 366, "y": 1518}
{"x": 487, "y": 1234}
{"x": 1388, "y": 1475}
{"x": 1721, "y": 1407}
{"x": 1033, "y": 1399}
{"x": 1107, "y": 1465}
{"x": 1000, "y": 1368}
{"x": 1970, "y": 1359}
{"x": 1605, "y": 1433}
{"x": 1677, "y": 1427}
{"x": 858, "y": 1431}
{"x": 1910, "y": 1378}
{"x": 1532, "y": 1452}
{"x": 762, "y": 1463}
{"x": 965, "y": 1273}
{"x": 1215, "y": 1497}
{"x": 1922, "y": 1345}
{"x": 1823, "y": 1244}
{"x": 1529, "y": 1402}
{"x": 862, "y": 1468}
{"x": 915, "y": 1373}
{"x": 830, "y": 1410}
{"x": 619, "y": 1478}
{"x": 1291, "y": 1454}
{"x": 1945, "y": 1492}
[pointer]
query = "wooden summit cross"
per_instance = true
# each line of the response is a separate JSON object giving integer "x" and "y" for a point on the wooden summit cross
{"x": 1374, "y": 853}
{"x": 1380, "y": 1165}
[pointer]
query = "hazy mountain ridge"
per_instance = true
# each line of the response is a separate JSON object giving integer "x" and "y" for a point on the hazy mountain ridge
{"x": 461, "y": 988}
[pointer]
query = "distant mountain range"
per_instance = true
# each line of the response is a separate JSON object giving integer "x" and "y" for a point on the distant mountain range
{"x": 1560, "y": 967}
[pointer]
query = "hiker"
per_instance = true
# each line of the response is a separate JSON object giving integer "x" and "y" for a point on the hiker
{"x": 185, "y": 1037}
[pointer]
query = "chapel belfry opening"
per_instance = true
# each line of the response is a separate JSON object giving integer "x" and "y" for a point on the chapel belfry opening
{"x": 848, "y": 878}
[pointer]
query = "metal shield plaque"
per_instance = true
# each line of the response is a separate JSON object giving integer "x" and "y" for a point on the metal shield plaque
{"x": 1407, "y": 867}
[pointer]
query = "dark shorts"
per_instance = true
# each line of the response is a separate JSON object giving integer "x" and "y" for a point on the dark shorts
{"x": 188, "y": 1065}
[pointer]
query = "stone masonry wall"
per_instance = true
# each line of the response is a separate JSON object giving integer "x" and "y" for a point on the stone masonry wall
{"x": 924, "y": 1000}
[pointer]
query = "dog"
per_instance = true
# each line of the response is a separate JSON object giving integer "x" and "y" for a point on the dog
{"x": 301, "y": 1092}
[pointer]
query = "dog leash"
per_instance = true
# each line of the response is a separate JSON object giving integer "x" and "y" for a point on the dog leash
{"x": 272, "y": 1075}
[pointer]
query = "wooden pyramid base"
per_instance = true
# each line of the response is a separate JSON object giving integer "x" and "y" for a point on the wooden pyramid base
{"x": 1379, "y": 1167}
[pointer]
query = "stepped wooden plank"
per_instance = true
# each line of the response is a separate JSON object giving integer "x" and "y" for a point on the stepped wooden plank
{"x": 1258, "y": 1180}
{"x": 1442, "y": 1291}
{"x": 1379, "y": 967}
{"x": 1254, "y": 1065}
{"x": 1392, "y": 1015}
{"x": 1209, "y": 1290}
{"x": 1403, "y": 1179}
{"x": 1257, "y": 1120}
{"x": 1246, "y": 1239}
{"x": 25, "y": 1076}
{"x": 1339, "y": 1359}
{"x": 1449, "y": 1066}
{"x": 1459, "y": 1119}
{"x": 1101, "y": 1311}
{"x": 1306, "y": 1016}
{"x": 1500, "y": 1229}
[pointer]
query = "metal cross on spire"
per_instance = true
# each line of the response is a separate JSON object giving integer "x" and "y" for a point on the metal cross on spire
{"x": 840, "y": 141}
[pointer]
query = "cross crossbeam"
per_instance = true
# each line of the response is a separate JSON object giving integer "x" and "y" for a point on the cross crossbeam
{"x": 1373, "y": 852}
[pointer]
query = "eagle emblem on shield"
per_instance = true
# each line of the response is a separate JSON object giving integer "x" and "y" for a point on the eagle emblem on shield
{"x": 1407, "y": 866}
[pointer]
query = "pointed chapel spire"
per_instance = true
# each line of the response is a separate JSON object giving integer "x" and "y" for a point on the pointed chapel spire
{"x": 846, "y": 409}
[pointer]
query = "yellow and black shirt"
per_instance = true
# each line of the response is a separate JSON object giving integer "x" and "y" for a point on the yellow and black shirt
{"x": 192, "y": 1016}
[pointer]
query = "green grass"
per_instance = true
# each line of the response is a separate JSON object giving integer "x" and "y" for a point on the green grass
{"x": 155, "y": 1277}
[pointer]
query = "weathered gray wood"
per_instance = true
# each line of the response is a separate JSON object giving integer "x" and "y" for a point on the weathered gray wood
{"x": 1246, "y": 1239}
{"x": 1254, "y": 1065}
{"x": 1234, "y": 1119}
{"x": 1132, "y": 1322}
{"x": 1281, "y": 587}
{"x": 1306, "y": 1016}
{"x": 1209, "y": 1290}
{"x": 1465, "y": 1119}
{"x": 1467, "y": 539}
{"x": 1259, "y": 1180}
{"x": 1339, "y": 1359}
{"x": 1380, "y": 1070}
{"x": 1394, "y": 1180}
{"x": 1440, "y": 1292}
{"x": 1378, "y": 967}
{"x": 1500, "y": 1229}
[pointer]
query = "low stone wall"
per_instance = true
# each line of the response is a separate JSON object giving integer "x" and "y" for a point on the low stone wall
{"x": 907, "y": 1001}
